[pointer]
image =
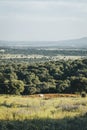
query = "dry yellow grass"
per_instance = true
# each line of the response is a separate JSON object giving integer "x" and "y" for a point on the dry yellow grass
{"x": 21, "y": 108}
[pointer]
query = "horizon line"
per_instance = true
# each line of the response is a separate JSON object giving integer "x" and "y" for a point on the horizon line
{"x": 43, "y": 40}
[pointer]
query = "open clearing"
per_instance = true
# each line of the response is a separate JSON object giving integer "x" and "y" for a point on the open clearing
{"x": 50, "y": 112}
{"x": 26, "y": 107}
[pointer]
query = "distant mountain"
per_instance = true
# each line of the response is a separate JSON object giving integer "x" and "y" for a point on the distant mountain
{"x": 82, "y": 42}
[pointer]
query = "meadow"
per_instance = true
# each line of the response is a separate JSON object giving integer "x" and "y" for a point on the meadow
{"x": 43, "y": 113}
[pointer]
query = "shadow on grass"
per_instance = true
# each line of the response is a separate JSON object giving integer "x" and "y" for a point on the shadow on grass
{"x": 77, "y": 123}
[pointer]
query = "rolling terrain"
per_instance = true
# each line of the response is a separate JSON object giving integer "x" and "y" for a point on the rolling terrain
{"x": 76, "y": 43}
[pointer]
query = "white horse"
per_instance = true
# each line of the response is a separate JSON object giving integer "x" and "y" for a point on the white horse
{"x": 41, "y": 95}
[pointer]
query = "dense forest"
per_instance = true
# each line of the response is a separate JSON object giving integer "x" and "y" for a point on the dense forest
{"x": 49, "y": 77}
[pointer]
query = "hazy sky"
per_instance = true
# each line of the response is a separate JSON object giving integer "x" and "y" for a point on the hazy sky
{"x": 48, "y": 20}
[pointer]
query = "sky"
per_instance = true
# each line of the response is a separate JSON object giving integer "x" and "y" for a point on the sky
{"x": 42, "y": 20}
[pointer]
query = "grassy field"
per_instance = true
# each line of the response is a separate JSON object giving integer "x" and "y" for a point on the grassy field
{"x": 47, "y": 113}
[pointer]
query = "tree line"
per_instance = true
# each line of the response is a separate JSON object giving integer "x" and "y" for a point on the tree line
{"x": 48, "y": 52}
{"x": 50, "y": 77}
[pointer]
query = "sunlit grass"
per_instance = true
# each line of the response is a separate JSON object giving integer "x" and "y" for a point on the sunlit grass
{"x": 21, "y": 108}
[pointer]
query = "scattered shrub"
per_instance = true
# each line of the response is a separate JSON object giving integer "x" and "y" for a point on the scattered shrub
{"x": 83, "y": 94}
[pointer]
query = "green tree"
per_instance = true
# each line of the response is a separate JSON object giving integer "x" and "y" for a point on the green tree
{"x": 14, "y": 86}
{"x": 78, "y": 84}
{"x": 63, "y": 86}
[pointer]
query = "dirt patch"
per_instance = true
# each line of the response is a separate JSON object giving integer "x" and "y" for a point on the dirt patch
{"x": 47, "y": 96}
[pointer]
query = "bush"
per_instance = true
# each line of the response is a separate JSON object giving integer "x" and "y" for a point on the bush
{"x": 83, "y": 94}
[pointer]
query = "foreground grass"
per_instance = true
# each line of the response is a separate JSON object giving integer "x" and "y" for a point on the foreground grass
{"x": 46, "y": 124}
{"x": 28, "y": 113}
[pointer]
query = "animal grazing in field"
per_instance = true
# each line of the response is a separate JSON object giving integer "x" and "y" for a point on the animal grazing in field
{"x": 41, "y": 95}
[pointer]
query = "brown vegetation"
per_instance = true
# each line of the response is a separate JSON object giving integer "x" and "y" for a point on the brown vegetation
{"x": 48, "y": 96}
